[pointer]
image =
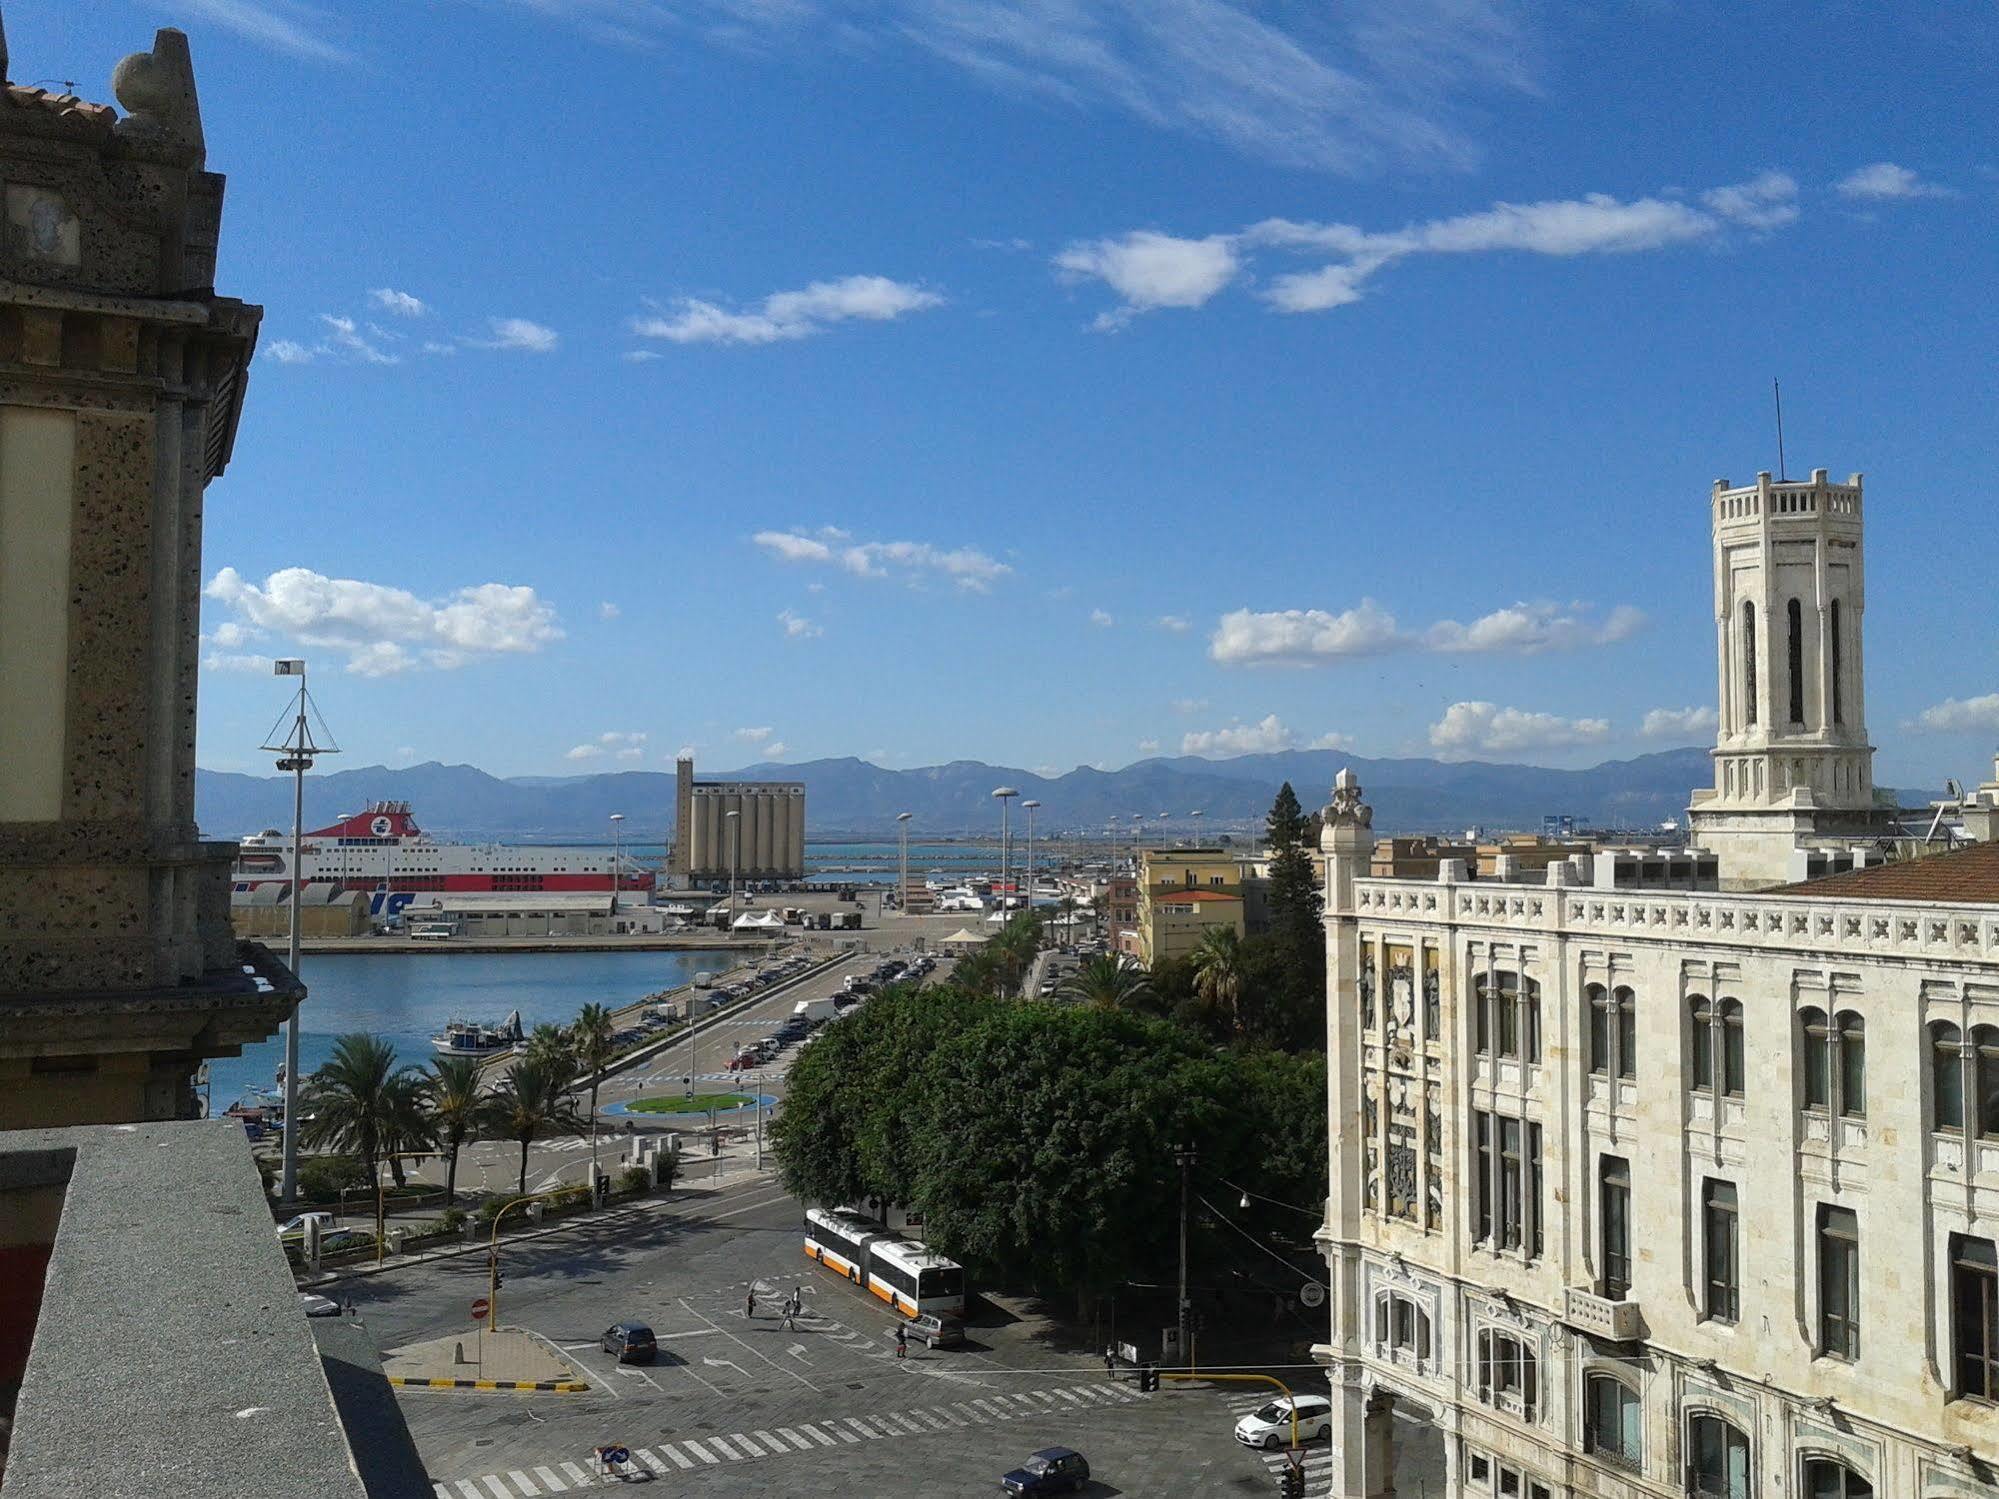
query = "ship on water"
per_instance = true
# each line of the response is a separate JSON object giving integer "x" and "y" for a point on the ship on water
{"x": 382, "y": 851}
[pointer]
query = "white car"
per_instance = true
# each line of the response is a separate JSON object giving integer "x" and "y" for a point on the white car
{"x": 1269, "y": 1426}
{"x": 295, "y": 1228}
{"x": 317, "y": 1306}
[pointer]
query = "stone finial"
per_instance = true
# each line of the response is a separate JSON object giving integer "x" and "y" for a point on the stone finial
{"x": 1346, "y": 808}
{"x": 157, "y": 90}
{"x": 3, "y": 48}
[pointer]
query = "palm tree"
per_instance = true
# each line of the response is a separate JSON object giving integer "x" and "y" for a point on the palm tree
{"x": 1110, "y": 981}
{"x": 532, "y": 1101}
{"x": 1218, "y": 967}
{"x": 357, "y": 1102}
{"x": 458, "y": 1111}
{"x": 550, "y": 1044}
{"x": 591, "y": 1038}
{"x": 407, "y": 1130}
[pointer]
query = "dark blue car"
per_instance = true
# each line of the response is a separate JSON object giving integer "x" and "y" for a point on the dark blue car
{"x": 1052, "y": 1470}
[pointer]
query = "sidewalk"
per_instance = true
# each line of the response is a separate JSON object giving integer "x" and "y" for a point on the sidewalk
{"x": 503, "y": 1359}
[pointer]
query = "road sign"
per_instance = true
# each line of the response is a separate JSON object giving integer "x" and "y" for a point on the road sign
{"x": 1312, "y": 1294}
{"x": 480, "y": 1308}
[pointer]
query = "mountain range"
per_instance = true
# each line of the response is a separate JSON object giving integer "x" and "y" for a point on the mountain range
{"x": 851, "y": 797}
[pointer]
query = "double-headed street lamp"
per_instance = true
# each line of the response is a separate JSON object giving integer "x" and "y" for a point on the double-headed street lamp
{"x": 1004, "y": 795}
{"x": 902, "y": 890}
{"x": 617, "y": 858}
{"x": 735, "y": 821}
{"x": 1030, "y": 805}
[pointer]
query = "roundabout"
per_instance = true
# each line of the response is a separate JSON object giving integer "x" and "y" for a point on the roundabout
{"x": 669, "y": 1105}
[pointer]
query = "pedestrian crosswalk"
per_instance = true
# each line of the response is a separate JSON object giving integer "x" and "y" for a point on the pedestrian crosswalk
{"x": 684, "y": 1454}
{"x": 1318, "y": 1457}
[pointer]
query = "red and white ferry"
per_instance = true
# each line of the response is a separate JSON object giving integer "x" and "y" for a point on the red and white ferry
{"x": 381, "y": 850}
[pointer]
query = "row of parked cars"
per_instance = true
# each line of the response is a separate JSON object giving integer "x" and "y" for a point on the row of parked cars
{"x": 763, "y": 978}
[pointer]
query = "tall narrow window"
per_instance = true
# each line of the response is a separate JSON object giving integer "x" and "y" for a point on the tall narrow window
{"x": 1611, "y": 1421}
{"x": 1974, "y": 1318}
{"x": 1599, "y": 1029}
{"x": 1817, "y": 1058}
{"x": 1946, "y": 1077}
{"x": 1482, "y": 1132}
{"x": 1732, "y": 1071}
{"x": 1826, "y": 1479}
{"x": 1721, "y": 1249}
{"x": 1852, "y": 1065}
{"x": 1701, "y": 1048}
{"x": 1985, "y": 1040}
{"x": 1796, "y": 661}
{"x": 1749, "y": 662}
{"x": 1838, "y": 703}
{"x": 1534, "y": 1191}
{"x": 1614, "y": 1209}
{"x": 1839, "y": 1283}
{"x": 1627, "y": 1033}
{"x": 1717, "y": 1459}
{"x": 1511, "y": 1182}
{"x": 1613, "y": 1031}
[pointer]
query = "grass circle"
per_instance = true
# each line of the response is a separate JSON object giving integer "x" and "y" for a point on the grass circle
{"x": 700, "y": 1103}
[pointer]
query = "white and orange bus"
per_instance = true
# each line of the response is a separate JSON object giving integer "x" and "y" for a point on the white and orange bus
{"x": 902, "y": 1272}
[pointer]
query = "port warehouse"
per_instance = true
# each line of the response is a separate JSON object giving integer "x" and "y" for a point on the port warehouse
{"x": 565, "y": 913}
{"x": 324, "y": 910}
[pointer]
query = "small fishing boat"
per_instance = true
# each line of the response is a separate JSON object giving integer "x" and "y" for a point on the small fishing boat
{"x": 470, "y": 1038}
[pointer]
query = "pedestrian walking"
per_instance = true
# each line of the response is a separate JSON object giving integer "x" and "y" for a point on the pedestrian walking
{"x": 750, "y": 1302}
{"x": 1110, "y": 1364}
{"x": 901, "y": 1340}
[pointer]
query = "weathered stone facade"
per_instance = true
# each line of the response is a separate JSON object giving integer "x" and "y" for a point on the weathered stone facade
{"x": 122, "y": 376}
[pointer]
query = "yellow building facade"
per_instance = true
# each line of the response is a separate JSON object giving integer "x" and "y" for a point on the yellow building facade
{"x": 1183, "y": 893}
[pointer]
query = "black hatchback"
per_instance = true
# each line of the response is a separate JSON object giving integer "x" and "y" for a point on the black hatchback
{"x": 630, "y": 1343}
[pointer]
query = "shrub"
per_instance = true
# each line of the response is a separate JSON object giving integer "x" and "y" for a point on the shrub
{"x": 454, "y": 1220}
{"x": 490, "y": 1208}
{"x": 634, "y": 1179}
{"x": 571, "y": 1197}
{"x": 321, "y": 1177}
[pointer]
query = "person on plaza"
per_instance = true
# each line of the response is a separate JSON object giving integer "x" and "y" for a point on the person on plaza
{"x": 1110, "y": 1364}
{"x": 901, "y": 1340}
{"x": 750, "y": 1302}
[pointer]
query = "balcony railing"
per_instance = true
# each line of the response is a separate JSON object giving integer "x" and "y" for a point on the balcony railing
{"x": 1619, "y": 1321}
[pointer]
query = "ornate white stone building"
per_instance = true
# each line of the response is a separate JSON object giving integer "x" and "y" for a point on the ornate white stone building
{"x": 1656, "y": 1193}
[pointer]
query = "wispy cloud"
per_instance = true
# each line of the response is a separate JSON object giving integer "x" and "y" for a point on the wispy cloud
{"x": 1174, "y": 624}
{"x": 757, "y": 735}
{"x": 608, "y": 610}
{"x": 797, "y": 626}
{"x": 1305, "y": 637}
{"x": 401, "y": 303}
{"x": 278, "y": 25}
{"x": 622, "y": 745}
{"x": 342, "y": 342}
{"x": 1101, "y": 618}
{"x": 1885, "y": 182}
{"x": 382, "y": 630}
{"x": 1479, "y": 727}
{"x": 1357, "y": 88}
{"x": 786, "y": 315}
{"x": 912, "y": 561}
{"x": 1150, "y": 270}
{"x": 1682, "y": 724}
{"x": 1961, "y": 715}
{"x": 1267, "y": 735}
{"x": 517, "y": 334}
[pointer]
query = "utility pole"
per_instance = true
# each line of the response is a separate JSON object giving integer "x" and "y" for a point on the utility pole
{"x": 1185, "y": 1156}
{"x": 295, "y": 750}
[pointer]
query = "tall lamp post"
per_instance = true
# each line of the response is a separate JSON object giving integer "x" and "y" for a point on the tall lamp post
{"x": 902, "y": 890}
{"x": 1029, "y": 805}
{"x": 295, "y": 747}
{"x": 735, "y": 821}
{"x": 1004, "y": 795}
{"x": 617, "y": 858}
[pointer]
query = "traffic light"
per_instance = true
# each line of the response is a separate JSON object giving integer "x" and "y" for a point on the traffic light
{"x": 1148, "y": 1379}
{"x": 1292, "y": 1484}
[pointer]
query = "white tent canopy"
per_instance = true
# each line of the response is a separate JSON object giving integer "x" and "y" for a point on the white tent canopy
{"x": 963, "y": 937}
{"x": 763, "y": 921}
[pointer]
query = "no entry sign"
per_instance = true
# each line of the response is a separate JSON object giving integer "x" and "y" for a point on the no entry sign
{"x": 481, "y": 1307}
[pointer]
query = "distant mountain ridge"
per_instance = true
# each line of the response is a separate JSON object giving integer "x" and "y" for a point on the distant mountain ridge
{"x": 853, "y": 797}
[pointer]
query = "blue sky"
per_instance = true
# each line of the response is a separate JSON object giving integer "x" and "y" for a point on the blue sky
{"x": 1055, "y": 382}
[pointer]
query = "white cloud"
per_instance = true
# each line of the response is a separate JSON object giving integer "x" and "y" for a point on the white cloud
{"x": 685, "y": 752}
{"x": 289, "y": 351}
{"x": 231, "y": 635}
{"x": 1768, "y": 200}
{"x": 584, "y": 752}
{"x": 1176, "y": 624}
{"x": 787, "y": 315}
{"x": 774, "y": 750}
{"x": 401, "y": 303}
{"x": 1189, "y": 705}
{"x": 279, "y": 25}
{"x": 1101, "y": 619}
{"x": 517, "y": 334}
{"x": 608, "y": 610}
{"x": 798, "y": 627}
{"x": 1530, "y": 629}
{"x": 236, "y": 662}
{"x": 1473, "y": 727}
{"x": 968, "y": 567}
{"x": 343, "y": 342}
{"x": 1266, "y": 736}
{"x": 1357, "y": 88}
{"x": 1331, "y": 742}
{"x": 433, "y": 347}
{"x": 756, "y": 735}
{"x": 1298, "y": 636}
{"x": 1150, "y": 270}
{"x": 1148, "y": 746}
{"x": 385, "y": 630}
{"x": 1680, "y": 723}
{"x": 1884, "y": 182}
{"x": 1961, "y": 715}
{"x": 625, "y": 744}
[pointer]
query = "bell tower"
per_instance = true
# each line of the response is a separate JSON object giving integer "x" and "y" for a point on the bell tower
{"x": 1791, "y": 752}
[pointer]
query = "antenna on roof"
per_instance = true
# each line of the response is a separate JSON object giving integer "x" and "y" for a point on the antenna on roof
{"x": 1777, "y": 390}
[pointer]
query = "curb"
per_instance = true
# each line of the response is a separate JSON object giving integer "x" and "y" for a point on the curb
{"x": 561, "y": 1386}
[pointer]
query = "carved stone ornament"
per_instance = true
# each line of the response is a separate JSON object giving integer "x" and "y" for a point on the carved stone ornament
{"x": 1346, "y": 809}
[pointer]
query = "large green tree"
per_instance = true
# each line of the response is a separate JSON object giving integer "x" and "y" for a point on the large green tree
{"x": 1296, "y": 932}
{"x": 531, "y": 1103}
{"x": 590, "y": 1037}
{"x": 459, "y": 1111}
{"x": 359, "y": 1102}
{"x": 1108, "y": 981}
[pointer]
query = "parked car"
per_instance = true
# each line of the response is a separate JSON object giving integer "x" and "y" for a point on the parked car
{"x": 1269, "y": 1426}
{"x": 294, "y": 1228}
{"x": 317, "y": 1306}
{"x": 933, "y": 1331}
{"x": 1052, "y": 1470}
{"x": 630, "y": 1343}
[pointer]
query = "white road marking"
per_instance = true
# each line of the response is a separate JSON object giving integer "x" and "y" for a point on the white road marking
{"x": 469, "y": 1489}
{"x": 746, "y": 1444}
{"x": 867, "y": 1431}
{"x": 722, "y": 1446}
{"x": 553, "y": 1480}
{"x": 692, "y": 1332}
{"x": 797, "y": 1351}
{"x": 770, "y": 1441}
{"x": 698, "y": 1450}
{"x": 524, "y": 1483}
{"x": 499, "y": 1489}
{"x": 576, "y": 1475}
{"x": 645, "y": 1456}
{"x": 674, "y": 1452}
{"x": 747, "y": 1349}
{"x": 440, "y": 1491}
{"x": 794, "y": 1438}
{"x": 817, "y": 1435}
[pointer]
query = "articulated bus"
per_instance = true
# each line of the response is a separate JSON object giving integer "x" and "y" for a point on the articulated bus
{"x": 900, "y": 1271}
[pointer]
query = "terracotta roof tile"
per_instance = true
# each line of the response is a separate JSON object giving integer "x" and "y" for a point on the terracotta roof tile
{"x": 1966, "y": 876}
{"x": 1170, "y": 893}
{"x": 67, "y": 107}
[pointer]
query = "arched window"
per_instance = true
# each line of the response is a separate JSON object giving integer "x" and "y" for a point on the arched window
{"x": 1400, "y": 1325}
{"x": 1508, "y": 1373}
{"x": 1946, "y": 1078}
{"x": 1732, "y": 1072}
{"x": 1817, "y": 1058}
{"x": 1508, "y": 1020}
{"x": 1985, "y": 1041}
{"x": 1717, "y": 1459}
{"x": 1826, "y": 1479}
{"x": 1838, "y": 706}
{"x": 1749, "y": 662}
{"x": 1611, "y": 1421}
{"x": 1613, "y": 1031}
{"x": 1716, "y": 1052}
{"x": 1796, "y": 661}
{"x": 1701, "y": 1013}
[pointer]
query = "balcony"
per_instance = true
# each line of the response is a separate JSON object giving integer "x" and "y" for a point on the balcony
{"x": 1619, "y": 1321}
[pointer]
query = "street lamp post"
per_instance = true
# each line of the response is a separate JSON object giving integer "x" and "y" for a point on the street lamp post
{"x": 735, "y": 821}
{"x": 1004, "y": 795}
{"x": 296, "y": 750}
{"x": 617, "y": 859}
{"x": 1185, "y": 1157}
{"x": 902, "y": 890}
{"x": 1030, "y": 804}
